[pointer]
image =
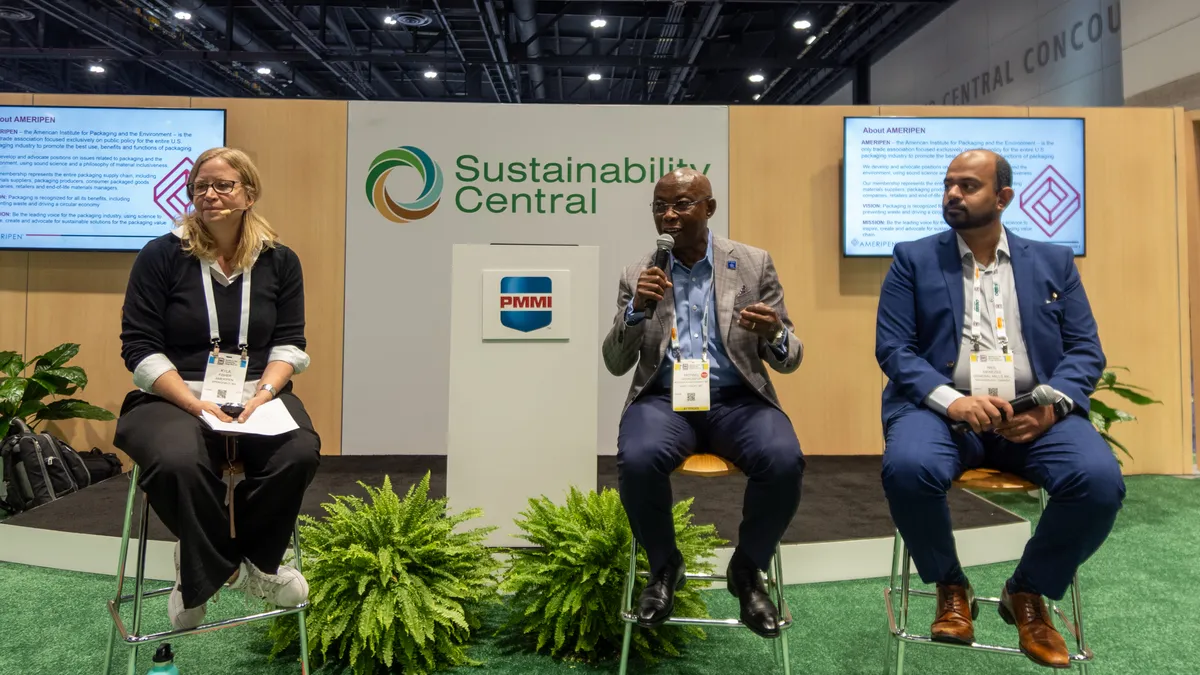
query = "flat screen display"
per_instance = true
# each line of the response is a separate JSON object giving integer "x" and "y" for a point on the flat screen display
{"x": 893, "y": 170}
{"x": 97, "y": 178}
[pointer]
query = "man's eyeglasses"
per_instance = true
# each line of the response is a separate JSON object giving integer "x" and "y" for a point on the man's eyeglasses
{"x": 222, "y": 187}
{"x": 680, "y": 206}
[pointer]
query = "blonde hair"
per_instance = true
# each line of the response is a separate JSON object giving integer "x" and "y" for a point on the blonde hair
{"x": 256, "y": 231}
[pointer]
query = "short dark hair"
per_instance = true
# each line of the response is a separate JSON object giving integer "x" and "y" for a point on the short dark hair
{"x": 1003, "y": 173}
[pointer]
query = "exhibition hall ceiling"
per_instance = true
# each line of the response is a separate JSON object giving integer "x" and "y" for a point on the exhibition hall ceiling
{"x": 507, "y": 51}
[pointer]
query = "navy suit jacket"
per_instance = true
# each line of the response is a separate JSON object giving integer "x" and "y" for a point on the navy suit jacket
{"x": 918, "y": 330}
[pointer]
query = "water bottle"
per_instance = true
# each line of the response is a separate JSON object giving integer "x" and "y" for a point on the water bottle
{"x": 164, "y": 661}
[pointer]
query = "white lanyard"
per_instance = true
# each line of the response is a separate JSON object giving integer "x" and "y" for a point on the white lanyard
{"x": 214, "y": 330}
{"x": 703, "y": 336}
{"x": 997, "y": 303}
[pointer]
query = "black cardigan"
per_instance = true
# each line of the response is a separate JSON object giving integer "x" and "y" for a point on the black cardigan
{"x": 165, "y": 311}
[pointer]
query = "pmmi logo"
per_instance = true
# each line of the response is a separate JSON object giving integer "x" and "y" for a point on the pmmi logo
{"x": 526, "y": 303}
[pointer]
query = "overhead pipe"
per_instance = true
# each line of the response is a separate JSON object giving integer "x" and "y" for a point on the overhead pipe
{"x": 248, "y": 41}
{"x": 304, "y": 37}
{"x": 339, "y": 31}
{"x": 842, "y": 10}
{"x": 525, "y": 12}
{"x": 437, "y": 7}
{"x": 680, "y": 75}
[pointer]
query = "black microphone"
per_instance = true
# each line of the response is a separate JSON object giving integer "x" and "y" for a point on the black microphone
{"x": 665, "y": 243}
{"x": 1043, "y": 394}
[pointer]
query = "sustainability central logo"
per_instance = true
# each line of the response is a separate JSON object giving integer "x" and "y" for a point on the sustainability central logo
{"x": 404, "y": 211}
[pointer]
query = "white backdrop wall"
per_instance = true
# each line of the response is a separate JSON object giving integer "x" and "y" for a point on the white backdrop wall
{"x": 494, "y": 161}
{"x": 1017, "y": 52}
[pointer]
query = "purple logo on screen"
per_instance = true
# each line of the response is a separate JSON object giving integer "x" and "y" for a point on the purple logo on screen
{"x": 1050, "y": 201}
{"x": 170, "y": 194}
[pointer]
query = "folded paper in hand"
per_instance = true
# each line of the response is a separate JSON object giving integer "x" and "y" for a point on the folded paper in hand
{"x": 269, "y": 419}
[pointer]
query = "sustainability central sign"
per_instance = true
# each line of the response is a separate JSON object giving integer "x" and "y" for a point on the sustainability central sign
{"x": 531, "y": 186}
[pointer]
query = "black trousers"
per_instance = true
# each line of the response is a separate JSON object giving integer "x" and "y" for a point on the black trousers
{"x": 181, "y": 461}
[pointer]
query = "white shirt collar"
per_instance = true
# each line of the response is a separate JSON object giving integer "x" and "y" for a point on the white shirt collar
{"x": 1001, "y": 247}
{"x": 217, "y": 272}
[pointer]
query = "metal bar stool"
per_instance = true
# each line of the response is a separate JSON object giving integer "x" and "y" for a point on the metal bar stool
{"x": 979, "y": 480}
{"x": 132, "y": 637}
{"x": 709, "y": 466}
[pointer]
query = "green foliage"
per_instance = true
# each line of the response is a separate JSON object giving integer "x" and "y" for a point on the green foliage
{"x": 21, "y": 396}
{"x": 1103, "y": 416}
{"x": 392, "y": 585}
{"x": 568, "y": 591}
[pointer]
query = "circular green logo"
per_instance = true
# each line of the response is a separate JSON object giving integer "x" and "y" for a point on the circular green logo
{"x": 401, "y": 211}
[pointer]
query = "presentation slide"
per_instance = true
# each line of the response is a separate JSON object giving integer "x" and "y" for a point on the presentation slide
{"x": 894, "y": 169}
{"x": 97, "y": 178}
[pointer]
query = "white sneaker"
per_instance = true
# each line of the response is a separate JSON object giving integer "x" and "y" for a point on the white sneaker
{"x": 181, "y": 617}
{"x": 285, "y": 588}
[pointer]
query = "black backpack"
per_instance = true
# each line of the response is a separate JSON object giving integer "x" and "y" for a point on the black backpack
{"x": 38, "y": 469}
{"x": 101, "y": 465}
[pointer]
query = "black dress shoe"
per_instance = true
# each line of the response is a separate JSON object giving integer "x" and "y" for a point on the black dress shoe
{"x": 746, "y": 584}
{"x": 658, "y": 598}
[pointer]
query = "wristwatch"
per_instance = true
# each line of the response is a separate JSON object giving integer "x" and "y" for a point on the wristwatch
{"x": 1062, "y": 408}
{"x": 269, "y": 388}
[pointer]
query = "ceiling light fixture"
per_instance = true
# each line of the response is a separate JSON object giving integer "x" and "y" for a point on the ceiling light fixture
{"x": 757, "y": 96}
{"x": 594, "y": 77}
{"x": 390, "y": 19}
{"x": 811, "y": 39}
{"x": 183, "y": 16}
{"x": 756, "y": 77}
{"x": 802, "y": 24}
{"x": 96, "y": 68}
{"x": 263, "y": 70}
{"x": 431, "y": 74}
{"x": 599, "y": 22}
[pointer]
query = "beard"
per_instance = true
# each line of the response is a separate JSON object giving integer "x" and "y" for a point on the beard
{"x": 959, "y": 218}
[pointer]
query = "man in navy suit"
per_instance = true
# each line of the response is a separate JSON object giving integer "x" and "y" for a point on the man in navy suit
{"x": 968, "y": 320}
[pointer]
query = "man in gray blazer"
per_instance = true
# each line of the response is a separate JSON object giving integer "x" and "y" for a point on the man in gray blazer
{"x": 699, "y": 333}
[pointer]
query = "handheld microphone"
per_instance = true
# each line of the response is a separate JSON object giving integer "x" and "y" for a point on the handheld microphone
{"x": 1042, "y": 395}
{"x": 665, "y": 243}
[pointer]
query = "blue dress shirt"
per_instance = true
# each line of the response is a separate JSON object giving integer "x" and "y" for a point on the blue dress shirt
{"x": 693, "y": 288}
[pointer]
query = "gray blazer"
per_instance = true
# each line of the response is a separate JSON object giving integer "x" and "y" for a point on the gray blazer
{"x": 754, "y": 280}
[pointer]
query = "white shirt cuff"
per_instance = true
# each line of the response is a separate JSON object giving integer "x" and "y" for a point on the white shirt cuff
{"x": 291, "y": 355}
{"x": 149, "y": 369}
{"x": 941, "y": 398}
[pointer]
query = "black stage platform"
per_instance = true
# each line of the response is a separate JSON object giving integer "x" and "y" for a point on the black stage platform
{"x": 842, "y": 498}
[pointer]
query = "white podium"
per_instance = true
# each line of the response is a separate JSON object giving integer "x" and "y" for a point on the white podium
{"x": 524, "y": 340}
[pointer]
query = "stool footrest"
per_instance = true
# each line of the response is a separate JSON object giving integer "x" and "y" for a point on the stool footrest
{"x": 151, "y": 638}
{"x": 784, "y": 623}
{"x": 903, "y": 634}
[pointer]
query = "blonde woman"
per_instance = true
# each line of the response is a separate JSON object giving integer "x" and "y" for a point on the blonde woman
{"x": 185, "y": 301}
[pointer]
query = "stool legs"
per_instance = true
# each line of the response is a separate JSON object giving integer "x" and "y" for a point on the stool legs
{"x": 897, "y": 599}
{"x": 627, "y": 603}
{"x": 774, "y": 590}
{"x": 112, "y": 635}
{"x": 302, "y": 616}
{"x": 133, "y": 637}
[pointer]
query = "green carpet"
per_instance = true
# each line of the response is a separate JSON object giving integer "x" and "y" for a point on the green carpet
{"x": 1139, "y": 615}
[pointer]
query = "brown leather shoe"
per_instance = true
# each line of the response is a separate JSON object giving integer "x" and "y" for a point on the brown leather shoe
{"x": 956, "y": 610}
{"x": 1040, "y": 641}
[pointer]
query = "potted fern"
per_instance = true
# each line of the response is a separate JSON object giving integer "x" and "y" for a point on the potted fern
{"x": 1103, "y": 416}
{"x": 567, "y": 591}
{"x": 22, "y": 396}
{"x": 392, "y": 586}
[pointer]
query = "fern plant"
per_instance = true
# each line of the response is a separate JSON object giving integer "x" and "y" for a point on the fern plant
{"x": 392, "y": 585}
{"x": 567, "y": 592}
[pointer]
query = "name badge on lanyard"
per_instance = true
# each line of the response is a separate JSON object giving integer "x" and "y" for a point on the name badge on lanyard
{"x": 991, "y": 370}
{"x": 690, "y": 377}
{"x": 225, "y": 374}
